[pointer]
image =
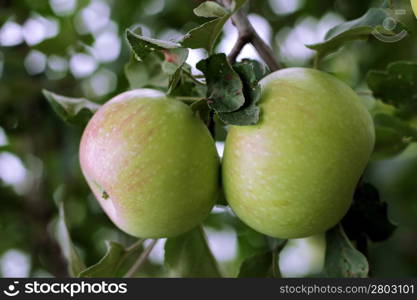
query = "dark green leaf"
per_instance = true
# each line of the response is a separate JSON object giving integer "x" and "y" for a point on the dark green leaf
{"x": 393, "y": 135}
{"x": 361, "y": 28}
{"x": 245, "y": 116}
{"x": 342, "y": 259}
{"x": 263, "y": 263}
{"x": 250, "y": 242}
{"x": 258, "y": 69}
{"x": 77, "y": 111}
{"x": 107, "y": 266}
{"x": 220, "y": 129}
{"x": 188, "y": 255}
{"x": 389, "y": 142}
{"x": 74, "y": 261}
{"x": 184, "y": 84}
{"x": 210, "y": 9}
{"x": 257, "y": 253}
{"x": 201, "y": 109}
{"x": 115, "y": 262}
{"x": 368, "y": 215}
{"x": 224, "y": 86}
{"x": 221, "y": 198}
{"x": 396, "y": 86}
{"x": 250, "y": 72}
{"x": 258, "y": 265}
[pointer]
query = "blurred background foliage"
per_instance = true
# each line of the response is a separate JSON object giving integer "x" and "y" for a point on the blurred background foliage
{"x": 77, "y": 48}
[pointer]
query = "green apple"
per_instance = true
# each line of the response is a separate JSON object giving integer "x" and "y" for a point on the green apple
{"x": 414, "y": 6}
{"x": 151, "y": 163}
{"x": 294, "y": 173}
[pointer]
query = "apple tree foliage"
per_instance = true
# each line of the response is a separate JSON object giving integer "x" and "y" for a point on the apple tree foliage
{"x": 226, "y": 93}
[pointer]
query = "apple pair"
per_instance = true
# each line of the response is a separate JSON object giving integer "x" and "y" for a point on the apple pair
{"x": 153, "y": 166}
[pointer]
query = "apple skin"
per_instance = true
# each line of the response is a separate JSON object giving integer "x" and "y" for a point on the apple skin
{"x": 151, "y": 163}
{"x": 414, "y": 6}
{"x": 294, "y": 173}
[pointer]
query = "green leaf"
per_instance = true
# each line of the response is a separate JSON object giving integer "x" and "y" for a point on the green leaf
{"x": 388, "y": 143}
{"x": 75, "y": 263}
{"x": 258, "y": 69}
{"x": 263, "y": 263}
{"x": 224, "y": 86}
{"x": 368, "y": 215}
{"x": 201, "y": 109}
{"x": 205, "y": 35}
{"x": 188, "y": 255}
{"x": 159, "y": 62}
{"x": 396, "y": 86}
{"x": 147, "y": 73}
{"x": 342, "y": 259}
{"x": 184, "y": 84}
{"x": 77, "y": 111}
{"x": 250, "y": 72}
{"x": 370, "y": 23}
{"x": 258, "y": 265}
{"x": 245, "y": 116}
{"x": 142, "y": 46}
{"x": 210, "y": 9}
{"x": 107, "y": 266}
{"x": 393, "y": 135}
{"x": 250, "y": 242}
{"x": 113, "y": 263}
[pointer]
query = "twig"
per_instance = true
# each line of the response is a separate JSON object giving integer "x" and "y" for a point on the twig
{"x": 141, "y": 260}
{"x": 247, "y": 34}
{"x": 135, "y": 245}
{"x": 237, "y": 48}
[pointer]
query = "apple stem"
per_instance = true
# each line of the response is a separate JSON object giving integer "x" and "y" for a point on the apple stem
{"x": 141, "y": 260}
{"x": 247, "y": 34}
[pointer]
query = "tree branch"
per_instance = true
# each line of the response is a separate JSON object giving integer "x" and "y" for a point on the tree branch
{"x": 141, "y": 260}
{"x": 247, "y": 34}
{"x": 135, "y": 245}
{"x": 237, "y": 48}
